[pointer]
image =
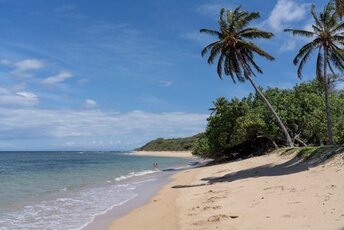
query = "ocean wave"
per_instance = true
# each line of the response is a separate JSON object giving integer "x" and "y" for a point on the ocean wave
{"x": 73, "y": 212}
{"x": 135, "y": 174}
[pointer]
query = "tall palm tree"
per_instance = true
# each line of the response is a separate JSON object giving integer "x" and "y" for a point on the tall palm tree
{"x": 236, "y": 52}
{"x": 327, "y": 40}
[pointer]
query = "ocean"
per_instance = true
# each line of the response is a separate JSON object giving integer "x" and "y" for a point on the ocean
{"x": 67, "y": 190}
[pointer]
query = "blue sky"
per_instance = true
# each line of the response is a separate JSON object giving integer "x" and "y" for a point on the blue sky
{"x": 114, "y": 74}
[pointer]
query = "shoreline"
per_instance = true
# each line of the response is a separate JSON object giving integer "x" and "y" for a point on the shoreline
{"x": 267, "y": 192}
{"x": 183, "y": 154}
{"x": 159, "y": 212}
{"x": 145, "y": 193}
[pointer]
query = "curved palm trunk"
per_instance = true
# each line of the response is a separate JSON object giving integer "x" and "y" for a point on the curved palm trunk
{"x": 327, "y": 105}
{"x": 279, "y": 122}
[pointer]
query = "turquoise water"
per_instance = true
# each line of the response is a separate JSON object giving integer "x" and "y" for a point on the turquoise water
{"x": 66, "y": 190}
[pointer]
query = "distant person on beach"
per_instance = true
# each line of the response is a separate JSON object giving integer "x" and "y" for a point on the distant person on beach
{"x": 155, "y": 165}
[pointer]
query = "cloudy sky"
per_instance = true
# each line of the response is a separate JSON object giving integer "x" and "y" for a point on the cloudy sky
{"x": 107, "y": 75}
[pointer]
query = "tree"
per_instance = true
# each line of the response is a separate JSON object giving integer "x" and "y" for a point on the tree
{"x": 328, "y": 39}
{"x": 219, "y": 105}
{"x": 340, "y": 7}
{"x": 236, "y": 52}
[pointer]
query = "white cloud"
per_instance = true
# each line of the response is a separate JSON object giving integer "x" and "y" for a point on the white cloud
{"x": 29, "y": 64}
{"x": 62, "y": 76}
{"x": 135, "y": 126}
{"x": 284, "y": 12}
{"x": 213, "y": 9}
{"x": 166, "y": 83}
{"x": 309, "y": 25}
{"x": 90, "y": 103}
{"x": 201, "y": 38}
{"x": 288, "y": 45}
{"x": 5, "y": 62}
{"x": 65, "y": 8}
{"x": 9, "y": 97}
{"x": 23, "y": 68}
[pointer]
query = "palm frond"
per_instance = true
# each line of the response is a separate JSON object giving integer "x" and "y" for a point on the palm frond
{"x": 330, "y": 67}
{"x": 315, "y": 17}
{"x": 208, "y": 47}
{"x": 215, "y": 51}
{"x": 303, "y": 62}
{"x": 211, "y": 32}
{"x": 219, "y": 65}
{"x": 302, "y": 52}
{"x": 340, "y": 7}
{"x": 251, "y": 46}
{"x": 255, "y": 33}
{"x": 246, "y": 20}
{"x": 338, "y": 27}
{"x": 337, "y": 61}
{"x": 303, "y": 33}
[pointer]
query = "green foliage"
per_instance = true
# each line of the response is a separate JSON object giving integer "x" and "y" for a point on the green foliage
{"x": 173, "y": 144}
{"x": 246, "y": 127}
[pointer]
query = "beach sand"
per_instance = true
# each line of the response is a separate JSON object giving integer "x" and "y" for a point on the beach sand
{"x": 186, "y": 154}
{"x": 267, "y": 192}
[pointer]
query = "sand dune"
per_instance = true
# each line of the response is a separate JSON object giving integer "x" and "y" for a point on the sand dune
{"x": 268, "y": 192}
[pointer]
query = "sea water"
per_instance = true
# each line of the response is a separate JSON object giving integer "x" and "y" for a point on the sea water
{"x": 66, "y": 190}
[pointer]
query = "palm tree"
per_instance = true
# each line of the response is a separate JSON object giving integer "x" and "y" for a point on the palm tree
{"x": 219, "y": 105}
{"x": 236, "y": 52}
{"x": 340, "y": 7}
{"x": 327, "y": 40}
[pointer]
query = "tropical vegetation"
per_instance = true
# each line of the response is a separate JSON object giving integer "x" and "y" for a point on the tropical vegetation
{"x": 240, "y": 128}
{"x": 171, "y": 144}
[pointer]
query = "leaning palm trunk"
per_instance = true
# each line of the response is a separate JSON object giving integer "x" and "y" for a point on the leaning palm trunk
{"x": 327, "y": 104}
{"x": 272, "y": 110}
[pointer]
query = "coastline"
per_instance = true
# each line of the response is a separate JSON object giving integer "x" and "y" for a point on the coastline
{"x": 144, "y": 192}
{"x": 266, "y": 192}
{"x": 183, "y": 154}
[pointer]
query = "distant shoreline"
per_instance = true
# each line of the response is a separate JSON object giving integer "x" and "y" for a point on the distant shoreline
{"x": 186, "y": 154}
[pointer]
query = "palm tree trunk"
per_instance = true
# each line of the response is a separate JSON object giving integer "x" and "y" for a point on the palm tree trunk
{"x": 327, "y": 105}
{"x": 278, "y": 120}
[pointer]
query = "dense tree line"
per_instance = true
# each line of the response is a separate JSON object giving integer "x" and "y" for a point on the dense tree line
{"x": 239, "y": 128}
{"x": 172, "y": 144}
{"x": 309, "y": 114}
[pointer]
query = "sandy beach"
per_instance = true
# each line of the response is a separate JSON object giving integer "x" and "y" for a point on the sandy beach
{"x": 267, "y": 192}
{"x": 186, "y": 154}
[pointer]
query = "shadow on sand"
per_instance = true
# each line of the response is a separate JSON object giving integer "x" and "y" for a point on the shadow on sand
{"x": 294, "y": 165}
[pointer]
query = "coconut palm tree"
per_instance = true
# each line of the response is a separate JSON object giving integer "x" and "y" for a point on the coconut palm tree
{"x": 327, "y": 40}
{"x": 235, "y": 52}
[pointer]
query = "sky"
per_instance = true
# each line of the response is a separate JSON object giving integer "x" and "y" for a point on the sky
{"x": 112, "y": 75}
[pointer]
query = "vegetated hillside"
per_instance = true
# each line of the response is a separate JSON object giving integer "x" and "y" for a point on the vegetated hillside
{"x": 173, "y": 144}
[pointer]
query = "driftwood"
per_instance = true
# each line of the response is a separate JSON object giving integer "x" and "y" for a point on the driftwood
{"x": 298, "y": 139}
